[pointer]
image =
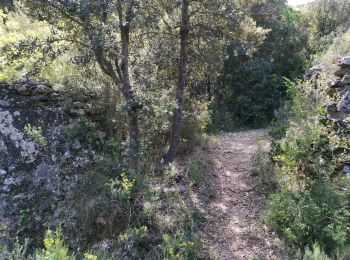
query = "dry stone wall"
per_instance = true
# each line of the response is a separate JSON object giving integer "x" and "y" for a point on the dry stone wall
{"x": 39, "y": 169}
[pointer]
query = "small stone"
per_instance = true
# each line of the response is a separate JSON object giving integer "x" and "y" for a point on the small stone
{"x": 23, "y": 90}
{"x": 42, "y": 90}
{"x": 67, "y": 155}
{"x": 78, "y": 105}
{"x": 10, "y": 181}
{"x": 76, "y": 145}
{"x": 2, "y": 172}
{"x": 332, "y": 108}
{"x": 336, "y": 84}
{"x": 101, "y": 135}
{"x": 77, "y": 112}
{"x": 182, "y": 189}
{"x": 346, "y": 79}
{"x": 17, "y": 113}
{"x": 334, "y": 114}
{"x": 341, "y": 72}
{"x": 314, "y": 72}
{"x": 169, "y": 190}
{"x": 346, "y": 169}
{"x": 345, "y": 62}
{"x": 20, "y": 196}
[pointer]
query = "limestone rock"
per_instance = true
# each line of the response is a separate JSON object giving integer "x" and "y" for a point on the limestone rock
{"x": 314, "y": 72}
{"x": 42, "y": 90}
{"x": 77, "y": 112}
{"x": 182, "y": 189}
{"x": 345, "y": 62}
{"x": 346, "y": 80}
{"x": 344, "y": 105}
{"x": 336, "y": 84}
{"x": 24, "y": 87}
{"x": 26, "y": 147}
{"x": 342, "y": 71}
{"x": 346, "y": 169}
{"x": 78, "y": 105}
{"x": 101, "y": 135}
{"x": 23, "y": 90}
{"x": 2, "y": 172}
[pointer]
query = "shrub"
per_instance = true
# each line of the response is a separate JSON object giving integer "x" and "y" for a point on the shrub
{"x": 195, "y": 173}
{"x": 55, "y": 249}
{"x": 264, "y": 168}
{"x": 82, "y": 130}
{"x": 36, "y": 133}
{"x": 177, "y": 247}
{"x": 314, "y": 215}
{"x": 130, "y": 242}
{"x": 315, "y": 253}
{"x": 18, "y": 252}
{"x": 195, "y": 122}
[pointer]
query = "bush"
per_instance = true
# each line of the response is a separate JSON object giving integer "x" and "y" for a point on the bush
{"x": 314, "y": 215}
{"x": 195, "y": 122}
{"x": 315, "y": 253}
{"x": 18, "y": 252}
{"x": 264, "y": 168}
{"x": 178, "y": 247}
{"x": 55, "y": 249}
{"x": 36, "y": 134}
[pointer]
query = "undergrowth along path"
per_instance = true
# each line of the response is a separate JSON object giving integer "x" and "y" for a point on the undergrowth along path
{"x": 233, "y": 228}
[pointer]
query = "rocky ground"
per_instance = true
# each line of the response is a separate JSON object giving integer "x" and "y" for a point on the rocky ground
{"x": 233, "y": 229}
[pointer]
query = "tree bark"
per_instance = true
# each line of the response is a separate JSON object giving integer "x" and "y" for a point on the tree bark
{"x": 129, "y": 94}
{"x": 177, "y": 120}
{"x": 121, "y": 78}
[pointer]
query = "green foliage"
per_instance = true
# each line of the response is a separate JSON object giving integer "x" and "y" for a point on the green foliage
{"x": 101, "y": 207}
{"x": 264, "y": 168}
{"x": 314, "y": 215}
{"x": 170, "y": 173}
{"x": 131, "y": 240}
{"x": 252, "y": 88}
{"x": 277, "y": 129}
{"x": 55, "y": 249}
{"x": 315, "y": 253}
{"x": 195, "y": 123}
{"x": 82, "y": 130}
{"x": 23, "y": 221}
{"x": 309, "y": 153}
{"x": 123, "y": 186}
{"x": 195, "y": 173}
{"x": 19, "y": 251}
{"x": 177, "y": 247}
{"x": 26, "y": 46}
{"x": 36, "y": 133}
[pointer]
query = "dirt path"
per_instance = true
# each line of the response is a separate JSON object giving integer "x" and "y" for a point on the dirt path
{"x": 233, "y": 229}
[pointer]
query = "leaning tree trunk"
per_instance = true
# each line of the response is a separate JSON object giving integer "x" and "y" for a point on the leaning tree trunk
{"x": 177, "y": 120}
{"x": 122, "y": 79}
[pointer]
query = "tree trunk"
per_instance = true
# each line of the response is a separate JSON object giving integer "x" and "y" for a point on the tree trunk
{"x": 122, "y": 78}
{"x": 177, "y": 120}
{"x": 129, "y": 94}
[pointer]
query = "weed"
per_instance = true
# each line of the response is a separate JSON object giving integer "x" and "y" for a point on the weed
{"x": 178, "y": 247}
{"x": 170, "y": 173}
{"x": 208, "y": 191}
{"x": 36, "y": 134}
{"x": 55, "y": 249}
{"x": 195, "y": 173}
{"x": 123, "y": 186}
{"x": 19, "y": 251}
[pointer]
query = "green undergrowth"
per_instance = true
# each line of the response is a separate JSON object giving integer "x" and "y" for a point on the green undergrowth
{"x": 305, "y": 173}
